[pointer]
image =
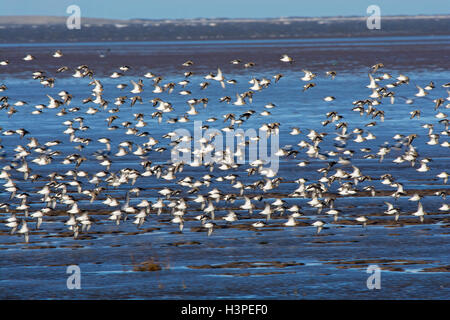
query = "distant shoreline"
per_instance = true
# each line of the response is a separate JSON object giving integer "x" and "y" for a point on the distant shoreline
{"x": 46, "y": 20}
{"x": 37, "y": 29}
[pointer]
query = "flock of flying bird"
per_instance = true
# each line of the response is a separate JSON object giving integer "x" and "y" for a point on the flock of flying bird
{"x": 69, "y": 188}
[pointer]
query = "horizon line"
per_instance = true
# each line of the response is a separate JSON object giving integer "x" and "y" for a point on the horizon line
{"x": 234, "y": 18}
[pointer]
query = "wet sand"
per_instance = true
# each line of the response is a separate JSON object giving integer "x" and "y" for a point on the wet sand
{"x": 239, "y": 261}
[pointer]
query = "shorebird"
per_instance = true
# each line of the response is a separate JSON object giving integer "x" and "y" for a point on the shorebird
{"x": 267, "y": 211}
{"x": 116, "y": 216}
{"x": 219, "y": 77}
{"x": 421, "y": 93}
{"x": 239, "y": 100}
{"x": 363, "y": 220}
{"x": 230, "y": 217}
{"x": 258, "y": 224}
{"x": 291, "y": 222}
{"x": 137, "y": 86}
{"x": 335, "y": 213}
{"x": 139, "y": 218}
{"x": 24, "y": 230}
{"x": 420, "y": 212}
{"x": 29, "y": 57}
{"x": 179, "y": 220}
{"x": 248, "y": 205}
{"x": 12, "y": 223}
{"x": 372, "y": 84}
{"x": 331, "y": 74}
{"x": 319, "y": 225}
{"x": 210, "y": 227}
{"x": 295, "y": 131}
{"x": 308, "y": 75}
{"x": 443, "y": 175}
{"x": 286, "y": 58}
{"x": 38, "y": 215}
{"x": 391, "y": 210}
{"x": 57, "y": 54}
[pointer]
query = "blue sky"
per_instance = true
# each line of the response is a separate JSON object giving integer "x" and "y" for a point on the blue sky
{"x": 173, "y": 9}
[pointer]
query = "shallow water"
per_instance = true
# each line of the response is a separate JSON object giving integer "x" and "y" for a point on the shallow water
{"x": 197, "y": 266}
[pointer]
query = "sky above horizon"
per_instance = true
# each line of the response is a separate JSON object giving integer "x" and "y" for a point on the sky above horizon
{"x": 182, "y": 9}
